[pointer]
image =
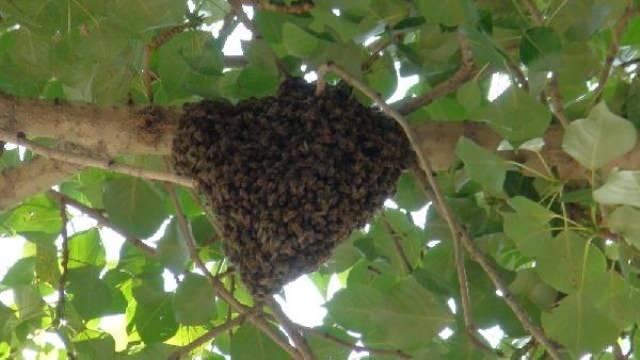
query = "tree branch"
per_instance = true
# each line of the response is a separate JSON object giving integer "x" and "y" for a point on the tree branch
{"x": 83, "y": 160}
{"x": 218, "y": 287}
{"x": 103, "y": 221}
{"x": 209, "y": 335}
{"x": 617, "y": 32}
{"x": 461, "y": 76}
{"x": 64, "y": 263}
{"x": 459, "y": 234}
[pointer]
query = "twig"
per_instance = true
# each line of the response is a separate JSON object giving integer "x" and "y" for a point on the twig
{"x": 538, "y": 19}
{"x": 64, "y": 263}
{"x": 519, "y": 76}
{"x": 444, "y": 210}
{"x": 236, "y": 5}
{"x": 103, "y": 221}
{"x": 352, "y": 345}
{"x": 627, "y": 63}
{"x": 301, "y": 8}
{"x": 209, "y": 335}
{"x": 464, "y": 74}
{"x": 376, "y": 48}
{"x": 617, "y": 32}
{"x": 397, "y": 245}
{"x": 617, "y": 352}
{"x": 290, "y": 328}
{"x": 218, "y": 286}
{"x": 553, "y": 90}
{"x": 156, "y": 42}
{"x": 106, "y": 164}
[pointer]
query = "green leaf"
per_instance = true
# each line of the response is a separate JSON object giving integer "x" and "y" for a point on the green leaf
{"x": 403, "y": 316}
{"x": 469, "y": 96}
{"x": 254, "y": 81}
{"x": 47, "y": 263}
{"x": 91, "y": 295}
{"x": 38, "y": 214}
{"x": 541, "y": 49}
{"x": 249, "y": 343}
{"x": 155, "y": 321}
{"x": 134, "y": 205}
{"x": 85, "y": 248}
{"x": 484, "y": 167}
{"x": 578, "y": 325}
{"x": 600, "y": 138}
{"x": 21, "y": 273}
{"x": 449, "y": 13}
{"x": 323, "y": 348}
{"x": 621, "y": 188}
{"x": 529, "y": 226}
{"x": 517, "y": 116}
{"x": 623, "y": 221}
{"x": 98, "y": 348}
{"x": 28, "y": 302}
{"x": 194, "y": 301}
{"x": 298, "y": 42}
{"x": 409, "y": 196}
{"x": 172, "y": 248}
{"x": 568, "y": 261}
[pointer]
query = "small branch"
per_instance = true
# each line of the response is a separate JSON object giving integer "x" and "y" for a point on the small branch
{"x": 218, "y": 286}
{"x": 105, "y": 164}
{"x": 209, "y": 335}
{"x": 64, "y": 263}
{"x": 519, "y": 76}
{"x": 617, "y": 32}
{"x": 464, "y": 74}
{"x": 376, "y": 48}
{"x": 443, "y": 208}
{"x": 396, "y": 243}
{"x": 290, "y": 328}
{"x": 628, "y": 63}
{"x": 557, "y": 104}
{"x": 156, "y": 42}
{"x": 236, "y": 5}
{"x": 553, "y": 90}
{"x": 352, "y": 345}
{"x": 617, "y": 352}
{"x": 538, "y": 19}
{"x": 103, "y": 221}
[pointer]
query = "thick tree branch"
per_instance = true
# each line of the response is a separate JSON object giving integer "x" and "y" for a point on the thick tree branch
{"x": 458, "y": 233}
{"x": 84, "y": 160}
{"x": 108, "y": 131}
{"x": 114, "y": 131}
{"x": 103, "y": 221}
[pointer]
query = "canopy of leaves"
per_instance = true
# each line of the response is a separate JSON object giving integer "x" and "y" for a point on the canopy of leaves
{"x": 568, "y": 250}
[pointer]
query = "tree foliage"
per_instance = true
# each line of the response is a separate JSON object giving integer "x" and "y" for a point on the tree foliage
{"x": 566, "y": 246}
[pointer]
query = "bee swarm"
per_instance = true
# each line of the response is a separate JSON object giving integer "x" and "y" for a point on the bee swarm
{"x": 290, "y": 176}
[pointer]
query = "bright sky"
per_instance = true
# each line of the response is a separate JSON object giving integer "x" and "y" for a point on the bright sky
{"x": 302, "y": 303}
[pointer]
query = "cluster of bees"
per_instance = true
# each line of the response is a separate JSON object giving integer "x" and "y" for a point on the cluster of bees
{"x": 289, "y": 176}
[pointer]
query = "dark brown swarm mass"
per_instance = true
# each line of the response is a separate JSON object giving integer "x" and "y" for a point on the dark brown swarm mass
{"x": 289, "y": 176}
